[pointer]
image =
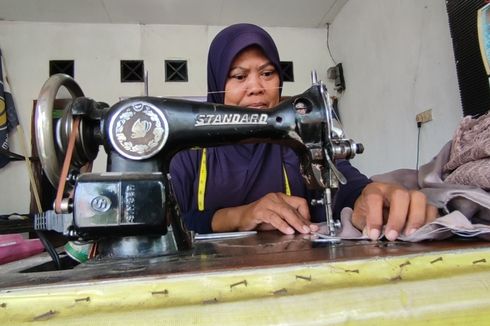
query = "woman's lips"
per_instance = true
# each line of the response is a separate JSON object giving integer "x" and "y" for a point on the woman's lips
{"x": 258, "y": 105}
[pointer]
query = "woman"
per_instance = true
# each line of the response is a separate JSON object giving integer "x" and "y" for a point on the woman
{"x": 258, "y": 186}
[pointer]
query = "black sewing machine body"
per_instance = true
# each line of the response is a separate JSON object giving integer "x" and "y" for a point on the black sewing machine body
{"x": 142, "y": 134}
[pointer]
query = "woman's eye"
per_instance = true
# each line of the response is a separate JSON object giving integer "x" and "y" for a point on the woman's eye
{"x": 238, "y": 77}
{"x": 268, "y": 73}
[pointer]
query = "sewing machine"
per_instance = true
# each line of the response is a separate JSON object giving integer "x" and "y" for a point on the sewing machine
{"x": 134, "y": 198}
{"x": 269, "y": 278}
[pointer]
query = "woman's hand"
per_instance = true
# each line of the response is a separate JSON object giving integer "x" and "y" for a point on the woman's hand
{"x": 387, "y": 204}
{"x": 273, "y": 211}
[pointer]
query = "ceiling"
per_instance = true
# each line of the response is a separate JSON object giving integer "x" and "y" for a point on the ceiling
{"x": 283, "y": 13}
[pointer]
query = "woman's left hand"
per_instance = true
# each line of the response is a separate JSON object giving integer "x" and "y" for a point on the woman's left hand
{"x": 401, "y": 210}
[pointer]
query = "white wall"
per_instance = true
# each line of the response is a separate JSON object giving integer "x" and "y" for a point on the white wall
{"x": 397, "y": 57}
{"x": 398, "y": 61}
{"x": 97, "y": 50}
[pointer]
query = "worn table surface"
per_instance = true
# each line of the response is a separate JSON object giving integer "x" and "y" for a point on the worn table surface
{"x": 263, "y": 250}
{"x": 262, "y": 279}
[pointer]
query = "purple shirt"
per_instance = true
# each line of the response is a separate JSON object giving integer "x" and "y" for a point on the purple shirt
{"x": 241, "y": 174}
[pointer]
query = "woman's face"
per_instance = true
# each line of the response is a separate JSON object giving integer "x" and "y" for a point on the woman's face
{"x": 252, "y": 81}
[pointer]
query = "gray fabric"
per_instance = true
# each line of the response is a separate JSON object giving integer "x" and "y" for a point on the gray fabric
{"x": 465, "y": 208}
{"x": 444, "y": 227}
{"x": 471, "y": 201}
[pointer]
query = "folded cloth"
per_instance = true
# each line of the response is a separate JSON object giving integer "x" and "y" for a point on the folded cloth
{"x": 444, "y": 227}
{"x": 471, "y": 200}
{"x": 457, "y": 181}
{"x": 469, "y": 159}
{"x": 465, "y": 208}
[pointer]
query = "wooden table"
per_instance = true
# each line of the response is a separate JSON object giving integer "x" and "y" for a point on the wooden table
{"x": 262, "y": 279}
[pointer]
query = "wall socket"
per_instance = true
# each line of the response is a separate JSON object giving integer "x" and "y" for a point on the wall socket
{"x": 424, "y": 117}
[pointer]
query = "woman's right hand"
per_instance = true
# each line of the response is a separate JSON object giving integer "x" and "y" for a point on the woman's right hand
{"x": 392, "y": 207}
{"x": 273, "y": 211}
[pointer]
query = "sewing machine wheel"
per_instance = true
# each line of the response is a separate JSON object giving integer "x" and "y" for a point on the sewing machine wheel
{"x": 51, "y": 154}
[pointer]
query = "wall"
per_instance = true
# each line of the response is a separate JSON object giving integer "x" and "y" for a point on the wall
{"x": 398, "y": 61}
{"x": 397, "y": 57}
{"x": 97, "y": 50}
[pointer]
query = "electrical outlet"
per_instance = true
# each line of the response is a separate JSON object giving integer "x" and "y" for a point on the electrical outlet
{"x": 424, "y": 117}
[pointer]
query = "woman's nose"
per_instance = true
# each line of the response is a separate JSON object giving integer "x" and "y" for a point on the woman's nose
{"x": 254, "y": 85}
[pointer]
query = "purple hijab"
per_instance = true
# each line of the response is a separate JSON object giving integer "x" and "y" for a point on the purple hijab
{"x": 226, "y": 46}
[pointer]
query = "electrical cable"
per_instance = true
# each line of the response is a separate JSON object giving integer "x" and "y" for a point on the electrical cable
{"x": 50, "y": 249}
{"x": 419, "y": 125}
{"x": 44, "y": 240}
{"x": 328, "y": 45}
